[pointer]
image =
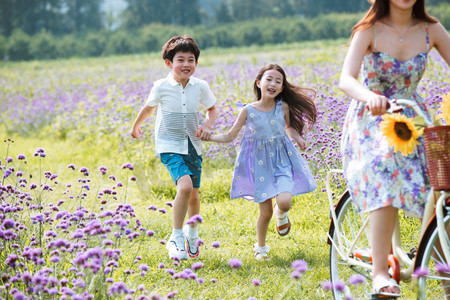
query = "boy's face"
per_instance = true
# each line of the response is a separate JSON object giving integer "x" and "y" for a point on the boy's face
{"x": 183, "y": 66}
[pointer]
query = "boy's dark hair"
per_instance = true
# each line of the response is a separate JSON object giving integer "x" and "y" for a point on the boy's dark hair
{"x": 180, "y": 44}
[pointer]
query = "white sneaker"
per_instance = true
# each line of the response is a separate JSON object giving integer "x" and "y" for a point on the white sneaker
{"x": 191, "y": 243}
{"x": 176, "y": 247}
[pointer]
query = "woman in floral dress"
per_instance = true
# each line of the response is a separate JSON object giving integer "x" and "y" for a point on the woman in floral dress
{"x": 392, "y": 42}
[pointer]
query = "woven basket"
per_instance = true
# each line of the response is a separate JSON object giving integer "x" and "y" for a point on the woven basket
{"x": 437, "y": 149}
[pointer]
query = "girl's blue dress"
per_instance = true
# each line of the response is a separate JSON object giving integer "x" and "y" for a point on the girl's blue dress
{"x": 267, "y": 163}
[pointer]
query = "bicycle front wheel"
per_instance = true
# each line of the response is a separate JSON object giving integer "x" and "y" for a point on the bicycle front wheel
{"x": 345, "y": 277}
{"x": 436, "y": 284}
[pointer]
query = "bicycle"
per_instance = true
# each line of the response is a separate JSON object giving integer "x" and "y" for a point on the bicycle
{"x": 349, "y": 241}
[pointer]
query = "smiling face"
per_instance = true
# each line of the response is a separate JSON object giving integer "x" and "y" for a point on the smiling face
{"x": 183, "y": 66}
{"x": 271, "y": 83}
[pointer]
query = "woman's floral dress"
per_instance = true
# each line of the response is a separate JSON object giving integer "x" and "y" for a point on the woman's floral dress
{"x": 376, "y": 176}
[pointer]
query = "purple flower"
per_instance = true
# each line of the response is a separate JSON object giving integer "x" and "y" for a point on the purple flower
{"x": 168, "y": 203}
{"x": 21, "y": 157}
{"x": 420, "y": 272}
{"x": 133, "y": 178}
{"x": 300, "y": 265}
{"x": 152, "y": 207}
{"x": 443, "y": 268}
{"x": 296, "y": 274}
{"x": 215, "y": 244}
{"x": 103, "y": 169}
{"x": 161, "y": 266}
{"x": 235, "y": 263}
{"x": 195, "y": 219}
{"x": 356, "y": 279}
{"x": 256, "y": 282}
{"x": 327, "y": 285}
{"x": 8, "y": 223}
{"x": 200, "y": 280}
{"x": 128, "y": 166}
{"x": 339, "y": 285}
{"x": 213, "y": 280}
{"x": 71, "y": 166}
{"x": 150, "y": 233}
{"x": 143, "y": 267}
{"x": 200, "y": 242}
{"x": 117, "y": 288}
{"x": 170, "y": 271}
{"x": 171, "y": 294}
{"x": 197, "y": 265}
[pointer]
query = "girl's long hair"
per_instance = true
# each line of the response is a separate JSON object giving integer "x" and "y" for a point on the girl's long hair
{"x": 380, "y": 9}
{"x": 302, "y": 110}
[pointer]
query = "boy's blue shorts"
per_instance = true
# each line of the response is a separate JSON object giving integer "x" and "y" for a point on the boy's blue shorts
{"x": 179, "y": 165}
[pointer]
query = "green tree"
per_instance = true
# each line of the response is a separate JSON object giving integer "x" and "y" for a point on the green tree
{"x": 82, "y": 15}
{"x": 175, "y": 12}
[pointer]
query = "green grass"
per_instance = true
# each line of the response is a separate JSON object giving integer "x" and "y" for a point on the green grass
{"x": 231, "y": 222}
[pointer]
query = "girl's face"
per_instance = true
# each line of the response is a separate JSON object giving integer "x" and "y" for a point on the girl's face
{"x": 183, "y": 66}
{"x": 271, "y": 83}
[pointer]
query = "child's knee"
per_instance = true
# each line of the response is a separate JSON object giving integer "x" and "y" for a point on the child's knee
{"x": 184, "y": 187}
{"x": 284, "y": 204}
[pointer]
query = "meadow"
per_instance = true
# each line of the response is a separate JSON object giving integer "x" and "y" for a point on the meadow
{"x": 86, "y": 210}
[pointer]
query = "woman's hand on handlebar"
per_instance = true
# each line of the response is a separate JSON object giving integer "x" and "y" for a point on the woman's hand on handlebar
{"x": 378, "y": 104}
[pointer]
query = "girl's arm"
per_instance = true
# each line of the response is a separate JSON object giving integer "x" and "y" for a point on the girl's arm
{"x": 440, "y": 40}
{"x": 360, "y": 45}
{"x": 204, "y": 132}
{"x": 291, "y": 132}
{"x": 231, "y": 135}
{"x": 143, "y": 114}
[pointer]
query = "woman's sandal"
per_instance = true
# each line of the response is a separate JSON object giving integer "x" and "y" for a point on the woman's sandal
{"x": 283, "y": 224}
{"x": 381, "y": 282}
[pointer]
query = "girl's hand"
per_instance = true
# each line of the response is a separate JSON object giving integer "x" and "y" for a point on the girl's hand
{"x": 378, "y": 104}
{"x": 135, "y": 133}
{"x": 204, "y": 133}
{"x": 301, "y": 143}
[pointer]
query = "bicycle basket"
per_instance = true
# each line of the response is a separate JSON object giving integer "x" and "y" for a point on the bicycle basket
{"x": 437, "y": 149}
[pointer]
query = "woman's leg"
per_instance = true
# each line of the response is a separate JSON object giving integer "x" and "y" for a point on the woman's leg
{"x": 382, "y": 223}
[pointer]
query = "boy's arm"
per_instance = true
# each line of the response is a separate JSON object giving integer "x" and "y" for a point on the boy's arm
{"x": 204, "y": 132}
{"x": 231, "y": 135}
{"x": 143, "y": 114}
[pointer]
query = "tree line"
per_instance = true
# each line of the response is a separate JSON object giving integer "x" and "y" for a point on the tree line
{"x": 82, "y": 31}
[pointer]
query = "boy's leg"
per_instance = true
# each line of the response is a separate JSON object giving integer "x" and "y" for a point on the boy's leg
{"x": 190, "y": 231}
{"x": 176, "y": 244}
{"x": 181, "y": 202}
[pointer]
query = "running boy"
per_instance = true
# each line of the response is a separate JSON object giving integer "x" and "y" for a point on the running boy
{"x": 178, "y": 135}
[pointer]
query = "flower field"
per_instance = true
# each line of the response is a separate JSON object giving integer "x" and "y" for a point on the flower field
{"x": 85, "y": 209}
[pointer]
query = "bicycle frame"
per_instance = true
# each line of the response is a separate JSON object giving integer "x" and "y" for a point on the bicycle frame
{"x": 398, "y": 252}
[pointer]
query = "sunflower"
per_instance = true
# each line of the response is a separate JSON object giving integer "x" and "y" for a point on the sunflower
{"x": 445, "y": 108}
{"x": 400, "y": 132}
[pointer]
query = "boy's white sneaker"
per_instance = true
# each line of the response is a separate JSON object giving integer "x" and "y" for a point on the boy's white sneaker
{"x": 176, "y": 247}
{"x": 193, "y": 249}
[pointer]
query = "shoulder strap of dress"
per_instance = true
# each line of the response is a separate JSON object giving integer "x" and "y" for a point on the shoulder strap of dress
{"x": 374, "y": 38}
{"x": 427, "y": 35}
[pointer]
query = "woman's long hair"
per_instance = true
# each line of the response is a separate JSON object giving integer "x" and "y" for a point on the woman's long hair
{"x": 302, "y": 110}
{"x": 380, "y": 9}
